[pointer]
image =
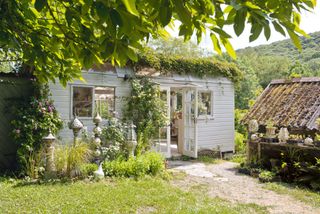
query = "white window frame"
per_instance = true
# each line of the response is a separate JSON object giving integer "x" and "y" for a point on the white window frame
{"x": 211, "y": 115}
{"x": 93, "y": 99}
{"x": 114, "y": 96}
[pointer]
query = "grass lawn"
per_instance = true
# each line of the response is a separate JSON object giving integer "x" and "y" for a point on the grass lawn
{"x": 305, "y": 195}
{"x": 144, "y": 195}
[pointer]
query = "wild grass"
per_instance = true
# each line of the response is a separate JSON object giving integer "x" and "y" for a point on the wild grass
{"x": 302, "y": 194}
{"x": 124, "y": 195}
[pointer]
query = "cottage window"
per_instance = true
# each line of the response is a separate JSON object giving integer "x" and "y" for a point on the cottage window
{"x": 82, "y": 101}
{"x": 104, "y": 100}
{"x": 88, "y": 100}
{"x": 205, "y": 103}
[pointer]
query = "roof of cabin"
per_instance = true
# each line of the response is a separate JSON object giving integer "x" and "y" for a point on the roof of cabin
{"x": 291, "y": 103}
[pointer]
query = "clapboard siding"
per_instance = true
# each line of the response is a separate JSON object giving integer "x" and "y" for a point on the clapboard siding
{"x": 212, "y": 132}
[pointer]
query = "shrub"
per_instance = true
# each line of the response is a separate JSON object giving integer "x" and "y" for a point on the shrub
{"x": 266, "y": 176}
{"x": 149, "y": 163}
{"x": 34, "y": 117}
{"x": 146, "y": 110}
{"x": 240, "y": 145}
{"x": 88, "y": 169}
{"x": 114, "y": 139}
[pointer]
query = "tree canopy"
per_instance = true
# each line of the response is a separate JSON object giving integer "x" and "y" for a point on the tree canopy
{"x": 58, "y": 38}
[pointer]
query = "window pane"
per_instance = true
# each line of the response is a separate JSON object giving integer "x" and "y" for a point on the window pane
{"x": 204, "y": 103}
{"x": 82, "y": 101}
{"x": 104, "y": 101}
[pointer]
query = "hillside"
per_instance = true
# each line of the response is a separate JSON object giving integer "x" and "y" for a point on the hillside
{"x": 310, "y": 52}
{"x": 263, "y": 63}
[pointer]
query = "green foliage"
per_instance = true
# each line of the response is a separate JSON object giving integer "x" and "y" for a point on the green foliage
{"x": 201, "y": 67}
{"x": 88, "y": 169}
{"x": 266, "y": 176}
{"x": 177, "y": 47}
{"x": 34, "y": 117}
{"x": 238, "y": 115}
{"x": 114, "y": 138}
{"x": 115, "y": 196}
{"x": 149, "y": 163}
{"x": 58, "y": 38}
{"x": 240, "y": 145}
{"x": 146, "y": 110}
{"x": 70, "y": 158}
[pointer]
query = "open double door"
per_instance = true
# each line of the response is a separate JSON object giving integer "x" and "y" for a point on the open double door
{"x": 189, "y": 118}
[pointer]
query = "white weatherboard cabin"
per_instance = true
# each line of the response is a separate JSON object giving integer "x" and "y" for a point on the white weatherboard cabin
{"x": 197, "y": 123}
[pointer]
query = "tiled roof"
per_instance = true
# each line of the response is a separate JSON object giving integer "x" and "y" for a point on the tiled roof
{"x": 291, "y": 103}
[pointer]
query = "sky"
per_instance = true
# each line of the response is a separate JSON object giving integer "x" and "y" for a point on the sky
{"x": 310, "y": 22}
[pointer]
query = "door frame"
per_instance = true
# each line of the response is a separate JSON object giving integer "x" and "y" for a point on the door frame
{"x": 186, "y": 152}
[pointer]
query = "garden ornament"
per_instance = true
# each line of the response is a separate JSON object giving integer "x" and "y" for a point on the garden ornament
{"x": 99, "y": 174}
{"x": 254, "y": 137}
{"x": 76, "y": 125}
{"x": 131, "y": 139}
{"x": 49, "y": 140}
{"x": 253, "y": 126}
{"x": 97, "y": 130}
{"x": 308, "y": 141}
{"x": 283, "y": 135}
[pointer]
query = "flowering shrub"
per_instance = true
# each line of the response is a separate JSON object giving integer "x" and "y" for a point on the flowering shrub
{"x": 114, "y": 139}
{"x": 147, "y": 111}
{"x": 34, "y": 118}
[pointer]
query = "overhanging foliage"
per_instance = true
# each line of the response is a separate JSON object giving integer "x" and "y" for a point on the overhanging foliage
{"x": 200, "y": 67}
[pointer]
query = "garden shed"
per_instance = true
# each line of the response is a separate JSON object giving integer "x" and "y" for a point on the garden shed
{"x": 285, "y": 119}
{"x": 294, "y": 104}
{"x": 200, "y": 105}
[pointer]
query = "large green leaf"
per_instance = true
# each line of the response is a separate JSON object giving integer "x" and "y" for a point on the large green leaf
{"x": 229, "y": 47}
{"x": 131, "y": 6}
{"x": 239, "y": 21}
{"x": 295, "y": 39}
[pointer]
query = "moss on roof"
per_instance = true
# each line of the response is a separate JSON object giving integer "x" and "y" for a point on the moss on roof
{"x": 201, "y": 67}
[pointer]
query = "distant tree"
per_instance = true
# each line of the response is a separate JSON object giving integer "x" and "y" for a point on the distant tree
{"x": 58, "y": 38}
{"x": 176, "y": 46}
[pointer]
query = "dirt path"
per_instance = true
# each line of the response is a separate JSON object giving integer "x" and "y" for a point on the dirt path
{"x": 222, "y": 180}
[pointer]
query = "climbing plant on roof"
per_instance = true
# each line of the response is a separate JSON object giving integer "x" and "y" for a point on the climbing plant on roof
{"x": 200, "y": 67}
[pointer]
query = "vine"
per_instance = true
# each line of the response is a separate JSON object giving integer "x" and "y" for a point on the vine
{"x": 200, "y": 67}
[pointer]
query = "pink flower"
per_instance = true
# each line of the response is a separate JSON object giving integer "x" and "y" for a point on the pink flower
{"x": 17, "y": 131}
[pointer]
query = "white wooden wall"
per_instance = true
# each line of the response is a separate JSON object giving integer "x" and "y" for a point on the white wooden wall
{"x": 212, "y": 132}
{"x": 62, "y": 97}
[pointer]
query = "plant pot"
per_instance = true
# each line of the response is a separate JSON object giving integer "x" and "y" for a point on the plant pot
{"x": 271, "y": 132}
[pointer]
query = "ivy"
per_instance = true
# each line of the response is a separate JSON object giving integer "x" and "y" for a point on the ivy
{"x": 199, "y": 67}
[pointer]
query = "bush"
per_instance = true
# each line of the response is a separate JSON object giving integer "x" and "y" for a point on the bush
{"x": 266, "y": 176}
{"x": 34, "y": 117}
{"x": 240, "y": 146}
{"x": 88, "y": 169}
{"x": 150, "y": 163}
